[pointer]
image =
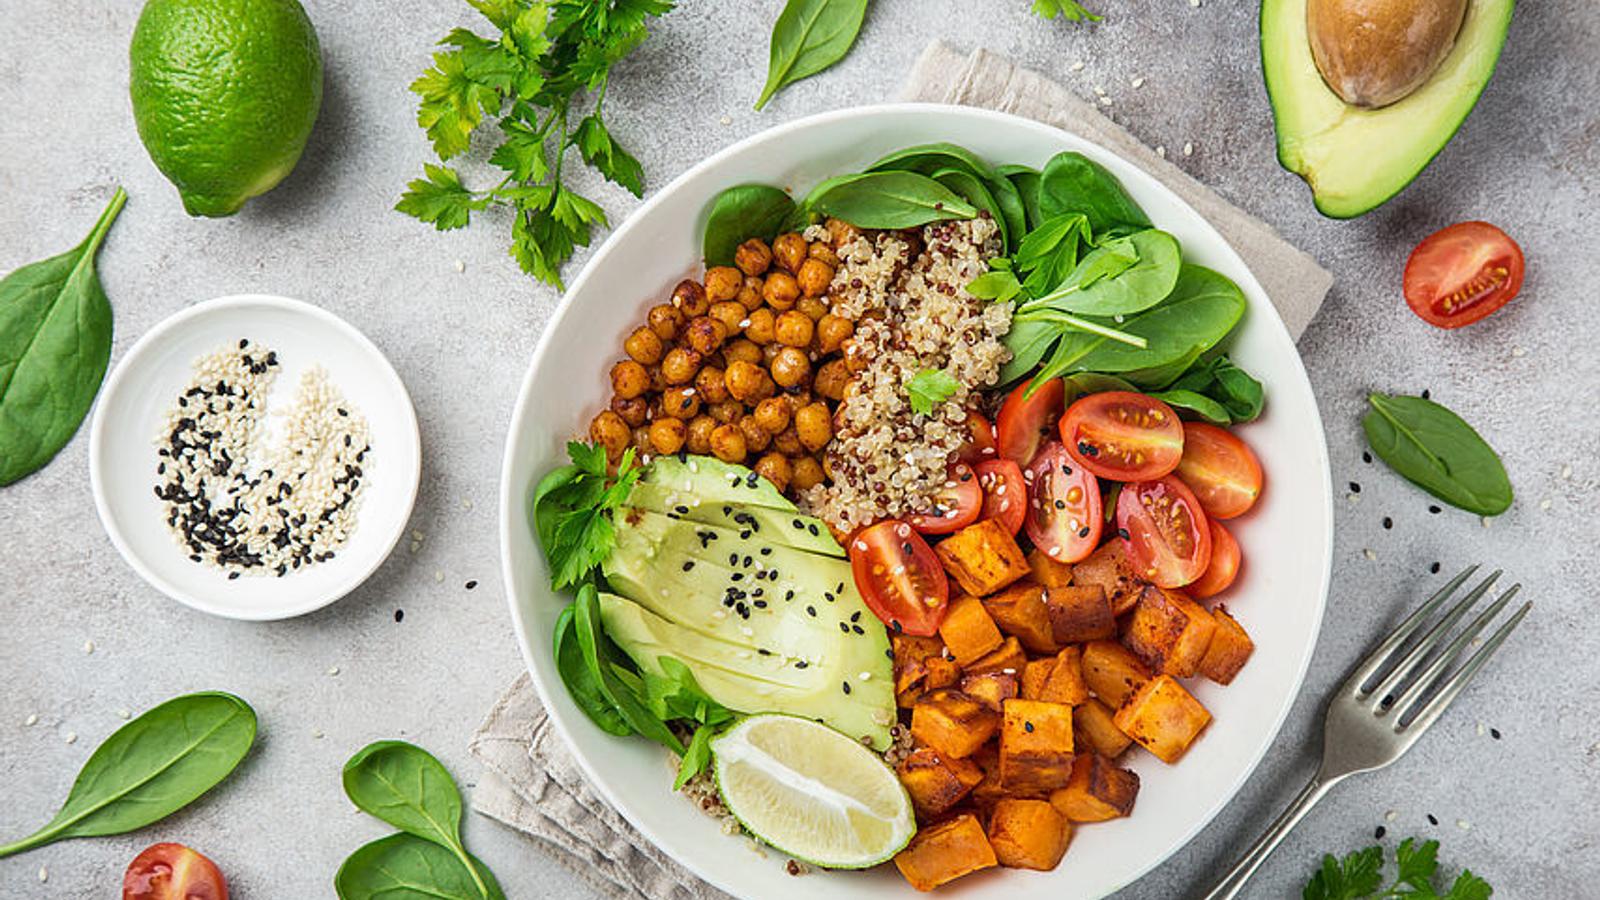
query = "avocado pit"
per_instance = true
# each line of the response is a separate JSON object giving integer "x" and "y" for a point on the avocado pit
{"x": 1373, "y": 53}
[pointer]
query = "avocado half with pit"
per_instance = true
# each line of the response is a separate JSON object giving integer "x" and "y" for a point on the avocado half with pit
{"x": 1366, "y": 92}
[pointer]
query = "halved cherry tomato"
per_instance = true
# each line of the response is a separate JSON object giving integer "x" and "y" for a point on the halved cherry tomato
{"x": 954, "y": 506}
{"x": 1024, "y": 422}
{"x": 1224, "y": 566}
{"x": 1461, "y": 273}
{"x": 1005, "y": 494}
{"x": 1123, "y": 436}
{"x": 1064, "y": 518}
{"x": 980, "y": 443}
{"x": 899, "y": 577}
{"x": 1167, "y": 535}
{"x": 1220, "y": 469}
{"x": 173, "y": 872}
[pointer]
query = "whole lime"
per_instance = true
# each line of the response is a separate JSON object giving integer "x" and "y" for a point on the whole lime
{"x": 225, "y": 93}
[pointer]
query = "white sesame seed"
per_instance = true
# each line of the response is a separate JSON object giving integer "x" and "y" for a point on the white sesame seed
{"x": 899, "y": 570}
{"x": 1369, "y": 554}
{"x": 1137, "y": 83}
{"x": 1077, "y": 66}
{"x": 1195, "y": 3}
{"x": 1054, "y": 551}
{"x": 865, "y": 676}
{"x": 461, "y": 265}
{"x": 1099, "y": 91}
{"x": 44, "y": 874}
{"x": 1353, "y": 498}
{"x": 727, "y": 120}
{"x": 466, "y": 504}
{"x": 1482, "y": 730}
{"x": 70, "y": 737}
{"x": 746, "y": 631}
{"x": 1188, "y": 146}
{"x": 438, "y": 575}
{"x": 1391, "y": 815}
{"x": 124, "y": 713}
{"x": 317, "y": 734}
{"x": 1161, "y": 151}
{"x": 1485, "y": 520}
{"x": 31, "y": 720}
{"x": 1463, "y": 824}
{"x": 415, "y": 546}
{"x": 718, "y": 614}
{"x": 1105, "y": 101}
{"x": 1518, "y": 352}
{"x": 88, "y": 646}
{"x": 1566, "y": 471}
{"x": 333, "y": 670}
{"x": 1546, "y": 503}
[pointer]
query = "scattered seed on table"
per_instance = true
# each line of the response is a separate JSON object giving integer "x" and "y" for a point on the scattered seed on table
{"x": 88, "y": 646}
{"x": 1494, "y": 733}
{"x": 1378, "y": 834}
{"x": 1426, "y": 394}
{"x": 333, "y": 670}
{"x": 1387, "y": 523}
{"x": 70, "y": 737}
{"x": 31, "y": 720}
{"x": 438, "y": 575}
{"x": 1355, "y": 487}
{"x": 44, "y": 874}
{"x": 1391, "y": 815}
{"x": 1434, "y": 568}
{"x": 1434, "y": 509}
{"x": 124, "y": 713}
{"x": 1369, "y": 553}
{"x": 1432, "y": 820}
{"x": 1366, "y": 457}
{"x": 471, "y": 585}
{"x": 399, "y": 615}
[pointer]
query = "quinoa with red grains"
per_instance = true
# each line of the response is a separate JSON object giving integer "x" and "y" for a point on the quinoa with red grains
{"x": 906, "y": 291}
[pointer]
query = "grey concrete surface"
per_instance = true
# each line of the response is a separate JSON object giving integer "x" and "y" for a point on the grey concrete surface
{"x": 1520, "y": 810}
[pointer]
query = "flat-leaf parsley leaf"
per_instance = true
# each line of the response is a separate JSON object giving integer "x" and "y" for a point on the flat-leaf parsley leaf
{"x": 572, "y": 509}
{"x": 1067, "y": 9}
{"x": 1360, "y": 875}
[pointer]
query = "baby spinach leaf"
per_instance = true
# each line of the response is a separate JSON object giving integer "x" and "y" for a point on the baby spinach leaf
{"x": 1436, "y": 450}
{"x": 152, "y": 767}
{"x": 1162, "y": 376}
{"x": 743, "y": 212}
{"x": 1219, "y": 379}
{"x": 926, "y": 159}
{"x": 890, "y": 200}
{"x": 600, "y": 659}
{"x": 976, "y": 192}
{"x": 405, "y": 866}
{"x": 1080, "y": 384}
{"x": 1198, "y": 404}
{"x": 1026, "y": 181}
{"x": 675, "y": 694}
{"x": 999, "y": 284}
{"x": 1012, "y": 212}
{"x": 696, "y": 757}
{"x": 809, "y": 36}
{"x": 55, "y": 341}
{"x": 1120, "y": 277}
{"x": 1073, "y": 183}
{"x": 1028, "y": 342}
{"x": 581, "y": 683}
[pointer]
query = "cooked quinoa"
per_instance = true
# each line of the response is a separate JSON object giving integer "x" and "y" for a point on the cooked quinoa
{"x": 907, "y": 295}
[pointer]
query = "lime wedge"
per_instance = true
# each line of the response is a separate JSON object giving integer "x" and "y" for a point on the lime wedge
{"x": 812, "y": 792}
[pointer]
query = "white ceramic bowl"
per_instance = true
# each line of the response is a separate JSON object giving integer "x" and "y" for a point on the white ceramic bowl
{"x": 134, "y": 403}
{"x": 1287, "y": 539}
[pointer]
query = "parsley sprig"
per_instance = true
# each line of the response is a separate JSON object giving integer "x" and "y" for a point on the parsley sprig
{"x": 929, "y": 388}
{"x": 1068, "y": 9}
{"x": 1360, "y": 874}
{"x": 548, "y": 57}
{"x": 572, "y": 509}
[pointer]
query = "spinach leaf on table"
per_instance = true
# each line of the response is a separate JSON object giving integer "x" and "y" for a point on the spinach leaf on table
{"x": 152, "y": 767}
{"x": 406, "y": 866}
{"x": 890, "y": 200}
{"x": 55, "y": 342}
{"x": 1074, "y": 183}
{"x": 809, "y": 36}
{"x": 1436, "y": 450}
{"x": 743, "y": 212}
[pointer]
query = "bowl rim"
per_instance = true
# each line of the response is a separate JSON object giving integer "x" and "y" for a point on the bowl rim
{"x": 511, "y": 496}
{"x": 98, "y": 463}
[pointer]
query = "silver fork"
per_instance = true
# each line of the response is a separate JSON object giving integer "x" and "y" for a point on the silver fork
{"x": 1386, "y": 704}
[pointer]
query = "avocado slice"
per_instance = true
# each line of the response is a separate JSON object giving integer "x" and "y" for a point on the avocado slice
{"x": 715, "y": 481}
{"x": 791, "y": 529}
{"x": 1354, "y": 159}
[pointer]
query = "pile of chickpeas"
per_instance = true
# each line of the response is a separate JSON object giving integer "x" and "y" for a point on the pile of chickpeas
{"x": 747, "y": 365}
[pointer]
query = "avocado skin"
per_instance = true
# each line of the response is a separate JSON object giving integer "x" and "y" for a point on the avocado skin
{"x": 1290, "y": 74}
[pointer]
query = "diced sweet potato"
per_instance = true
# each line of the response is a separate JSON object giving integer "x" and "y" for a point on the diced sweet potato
{"x": 909, "y": 669}
{"x": 1109, "y": 568}
{"x": 1034, "y": 676}
{"x": 982, "y": 558}
{"x": 991, "y": 688}
{"x": 944, "y": 852}
{"x": 1097, "y": 790}
{"x": 1080, "y": 613}
{"x": 1169, "y": 632}
{"x": 1092, "y": 727}
{"x": 952, "y": 723}
{"x": 968, "y": 631}
{"x": 1019, "y": 610}
{"x": 941, "y": 672}
{"x": 1048, "y": 572}
{"x": 936, "y": 782}
{"x": 1008, "y": 657}
{"x": 1230, "y": 649}
{"x": 1028, "y": 834}
{"x": 1035, "y": 747}
{"x": 988, "y": 791}
{"x": 1163, "y": 717}
{"x": 1066, "y": 684}
{"x": 1112, "y": 671}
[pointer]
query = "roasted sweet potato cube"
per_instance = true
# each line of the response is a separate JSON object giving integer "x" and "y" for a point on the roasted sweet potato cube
{"x": 1019, "y": 610}
{"x": 909, "y": 669}
{"x": 982, "y": 558}
{"x": 1109, "y": 568}
{"x": 1028, "y": 834}
{"x": 968, "y": 631}
{"x": 1035, "y": 747}
{"x": 910, "y": 648}
{"x": 1092, "y": 727}
{"x": 1066, "y": 684}
{"x": 1048, "y": 572}
{"x": 952, "y": 723}
{"x": 1080, "y": 613}
{"x": 1163, "y": 717}
{"x": 941, "y": 672}
{"x": 991, "y": 688}
{"x": 1112, "y": 671}
{"x": 1034, "y": 676}
{"x": 1230, "y": 649}
{"x": 1097, "y": 790}
{"x": 936, "y": 782}
{"x": 988, "y": 791}
{"x": 944, "y": 852}
{"x": 1008, "y": 657}
{"x": 1169, "y": 632}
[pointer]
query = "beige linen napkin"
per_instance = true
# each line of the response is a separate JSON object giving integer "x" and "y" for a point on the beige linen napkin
{"x": 533, "y": 783}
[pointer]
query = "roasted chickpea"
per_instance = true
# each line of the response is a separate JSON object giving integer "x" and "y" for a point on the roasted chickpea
{"x": 667, "y": 435}
{"x": 680, "y": 403}
{"x": 681, "y": 365}
{"x": 741, "y": 350}
{"x": 841, "y": 232}
{"x": 641, "y": 440}
{"x": 753, "y": 257}
{"x": 790, "y": 367}
{"x": 770, "y": 352}
{"x": 756, "y": 438}
{"x": 794, "y": 328}
{"x": 780, "y": 291}
{"x": 629, "y": 379}
{"x": 705, "y": 334}
{"x": 633, "y": 410}
{"x": 775, "y": 468}
{"x": 832, "y": 331}
{"x": 788, "y": 443}
{"x": 665, "y": 320}
{"x": 821, "y": 250}
{"x": 813, "y": 307}
{"x": 773, "y": 414}
{"x": 831, "y": 379}
{"x": 807, "y": 474}
{"x": 731, "y": 314}
{"x": 690, "y": 299}
{"x": 750, "y": 293}
{"x": 727, "y": 442}
{"x": 698, "y": 438}
{"x": 814, "y": 277}
{"x": 763, "y": 326}
{"x": 743, "y": 379}
{"x": 790, "y": 251}
{"x": 727, "y": 412}
{"x": 797, "y": 399}
{"x": 710, "y": 386}
{"x": 609, "y": 431}
{"x": 814, "y": 425}
{"x": 723, "y": 283}
{"x": 658, "y": 381}
{"x": 855, "y": 356}
{"x": 644, "y": 346}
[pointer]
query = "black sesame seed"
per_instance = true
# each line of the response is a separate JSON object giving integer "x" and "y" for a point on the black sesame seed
{"x": 857, "y": 629}
{"x": 688, "y": 564}
{"x": 1083, "y": 532}
{"x": 811, "y": 610}
{"x": 1435, "y": 510}
{"x": 799, "y": 525}
{"x": 788, "y": 595}
{"x": 1388, "y": 522}
{"x": 1355, "y": 488}
{"x": 1432, "y": 820}
{"x": 737, "y": 576}
{"x": 855, "y": 616}
{"x": 828, "y": 596}
{"x": 733, "y": 559}
{"x": 399, "y": 614}
{"x": 761, "y": 604}
{"x": 471, "y": 585}
{"x": 1123, "y": 533}
{"x": 1434, "y": 568}
{"x": 1366, "y": 458}
{"x": 1379, "y": 833}
{"x": 844, "y": 628}
{"x": 1028, "y": 727}
{"x": 1494, "y": 733}
{"x": 763, "y": 651}
{"x": 813, "y": 530}
{"x": 895, "y": 625}
{"x": 766, "y": 551}
{"x": 1426, "y": 394}
{"x": 801, "y": 664}
{"x": 744, "y": 535}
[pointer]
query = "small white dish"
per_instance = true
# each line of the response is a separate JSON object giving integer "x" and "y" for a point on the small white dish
{"x": 134, "y": 403}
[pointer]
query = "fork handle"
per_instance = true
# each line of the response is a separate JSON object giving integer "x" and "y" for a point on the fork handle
{"x": 1234, "y": 881}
